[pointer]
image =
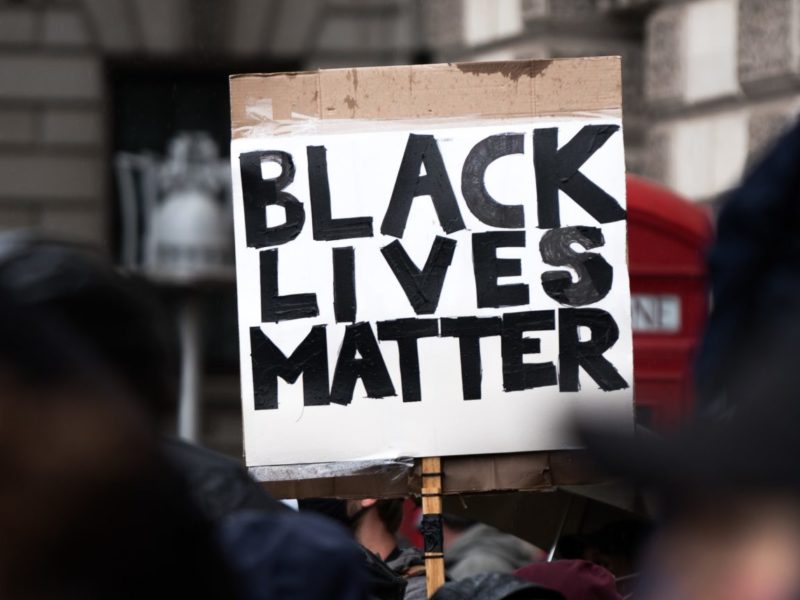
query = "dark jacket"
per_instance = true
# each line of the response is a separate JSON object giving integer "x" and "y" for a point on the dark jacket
{"x": 754, "y": 269}
{"x": 288, "y": 555}
{"x": 219, "y": 485}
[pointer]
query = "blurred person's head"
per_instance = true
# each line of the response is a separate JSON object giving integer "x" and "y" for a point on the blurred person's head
{"x": 728, "y": 494}
{"x": 68, "y": 424}
{"x": 742, "y": 546}
{"x": 115, "y": 315}
{"x": 87, "y": 508}
{"x": 453, "y": 527}
{"x": 373, "y": 522}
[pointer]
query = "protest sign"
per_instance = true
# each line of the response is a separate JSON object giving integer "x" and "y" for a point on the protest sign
{"x": 439, "y": 282}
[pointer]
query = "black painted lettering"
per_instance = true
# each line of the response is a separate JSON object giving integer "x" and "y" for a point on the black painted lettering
{"x": 324, "y": 226}
{"x": 370, "y": 367}
{"x": 422, "y": 288}
{"x": 489, "y": 268}
{"x": 406, "y": 332}
{"x": 258, "y": 193}
{"x": 344, "y": 284}
{"x": 274, "y": 307}
{"x": 421, "y": 150}
{"x": 517, "y": 374}
{"x": 473, "y": 185}
{"x": 595, "y": 275}
{"x": 559, "y": 169}
{"x": 310, "y": 359}
{"x": 469, "y": 331}
{"x": 574, "y": 353}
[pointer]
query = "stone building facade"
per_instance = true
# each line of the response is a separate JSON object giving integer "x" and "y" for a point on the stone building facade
{"x": 707, "y": 83}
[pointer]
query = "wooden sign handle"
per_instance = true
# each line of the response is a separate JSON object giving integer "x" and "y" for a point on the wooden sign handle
{"x": 431, "y": 526}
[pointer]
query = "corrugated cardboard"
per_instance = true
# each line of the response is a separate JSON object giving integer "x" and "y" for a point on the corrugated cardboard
{"x": 493, "y": 89}
{"x": 512, "y": 88}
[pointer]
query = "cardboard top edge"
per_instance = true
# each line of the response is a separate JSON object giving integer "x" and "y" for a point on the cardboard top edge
{"x": 526, "y": 88}
{"x": 233, "y": 76}
{"x": 444, "y": 65}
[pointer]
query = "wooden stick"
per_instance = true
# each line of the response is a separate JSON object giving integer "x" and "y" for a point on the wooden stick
{"x": 432, "y": 523}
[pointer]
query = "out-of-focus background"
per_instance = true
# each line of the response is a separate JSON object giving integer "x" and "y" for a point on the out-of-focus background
{"x": 114, "y": 117}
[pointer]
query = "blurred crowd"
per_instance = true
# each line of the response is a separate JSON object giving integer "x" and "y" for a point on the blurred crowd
{"x": 95, "y": 503}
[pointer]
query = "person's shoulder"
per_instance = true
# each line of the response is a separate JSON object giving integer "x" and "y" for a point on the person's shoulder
{"x": 478, "y": 562}
{"x": 289, "y": 533}
{"x": 274, "y": 554}
{"x": 219, "y": 484}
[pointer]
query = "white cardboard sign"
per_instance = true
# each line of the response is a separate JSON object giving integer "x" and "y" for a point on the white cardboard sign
{"x": 441, "y": 290}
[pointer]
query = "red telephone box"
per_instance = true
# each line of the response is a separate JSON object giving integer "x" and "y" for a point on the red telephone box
{"x": 667, "y": 240}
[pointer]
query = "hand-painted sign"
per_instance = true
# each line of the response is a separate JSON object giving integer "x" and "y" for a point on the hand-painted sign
{"x": 430, "y": 290}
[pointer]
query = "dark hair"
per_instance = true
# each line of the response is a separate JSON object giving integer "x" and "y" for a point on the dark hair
{"x": 88, "y": 304}
{"x": 390, "y": 513}
{"x": 133, "y": 538}
{"x": 456, "y": 522}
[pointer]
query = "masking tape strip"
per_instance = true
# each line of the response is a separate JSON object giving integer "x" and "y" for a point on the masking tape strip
{"x": 309, "y": 125}
{"x": 397, "y": 468}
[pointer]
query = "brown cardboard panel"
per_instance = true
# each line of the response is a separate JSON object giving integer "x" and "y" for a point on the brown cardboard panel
{"x": 538, "y": 518}
{"x": 508, "y": 88}
{"x": 579, "y": 85}
{"x": 491, "y": 89}
{"x": 520, "y": 471}
{"x": 357, "y": 486}
{"x": 529, "y": 471}
{"x": 283, "y": 94}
